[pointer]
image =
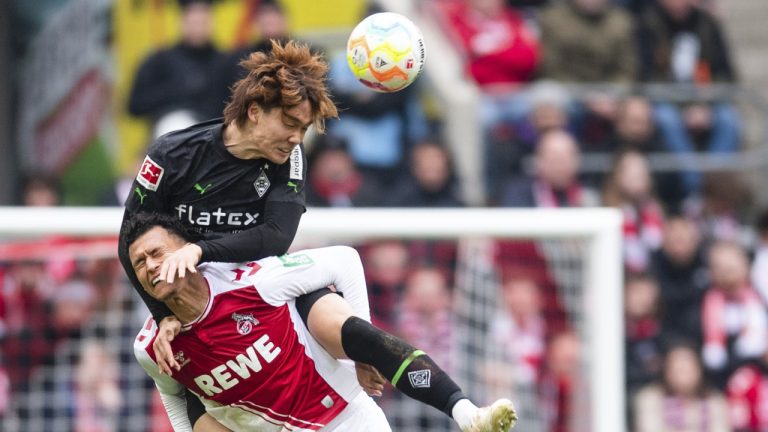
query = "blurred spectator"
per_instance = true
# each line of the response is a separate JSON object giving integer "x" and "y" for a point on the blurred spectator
{"x": 682, "y": 402}
{"x": 681, "y": 272}
{"x": 173, "y": 87}
{"x": 562, "y": 370}
{"x": 105, "y": 276}
{"x": 39, "y": 190}
{"x": 555, "y": 180}
{"x": 501, "y": 51}
{"x": 635, "y": 127}
{"x": 334, "y": 181}
{"x": 425, "y": 315}
{"x": 643, "y": 331}
{"x": 72, "y": 305}
{"x": 719, "y": 212}
{"x": 268, "y": 21}
{"x": 377, "y": 127}
{"x": 629, "y": 188}
{"x": 432, "y": 181}
{"x": 519, "y": 329}
{"x": 682, "y": 43}
{"x": 509, "y": 144}
{"x": 385, "y": 272}
{"x": 587, "y": 41}
{"x": 748, "y": 397}
{"x": 97, "y": 397}
{"x": 29, "y": 336}
{"x": 5, "y": 392}
{"x": 734, "y": 318}
{"x": 759, "y": 272}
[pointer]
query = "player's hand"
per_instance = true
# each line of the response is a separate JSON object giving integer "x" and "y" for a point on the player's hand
{"x": 180, "y": 261}
{"x": 370, "y": 379}
{"x": 169, "y": 327}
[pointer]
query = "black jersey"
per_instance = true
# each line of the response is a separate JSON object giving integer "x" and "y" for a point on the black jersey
{"x": 190, "y": 174}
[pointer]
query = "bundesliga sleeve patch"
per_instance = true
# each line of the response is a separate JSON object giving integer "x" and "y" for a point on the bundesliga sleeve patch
{"x": 297, "y": 164}
{"x": 150, "y": 174}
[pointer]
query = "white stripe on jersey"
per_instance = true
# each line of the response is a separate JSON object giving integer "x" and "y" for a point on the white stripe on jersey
{"x": 263, "y": 409}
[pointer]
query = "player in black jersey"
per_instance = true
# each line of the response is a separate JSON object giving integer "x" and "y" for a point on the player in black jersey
{"x": 238, "y": 180}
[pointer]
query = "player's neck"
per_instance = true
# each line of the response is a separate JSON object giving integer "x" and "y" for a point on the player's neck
{"x": 238, "y": 143}
{"x": 190, "y": 301}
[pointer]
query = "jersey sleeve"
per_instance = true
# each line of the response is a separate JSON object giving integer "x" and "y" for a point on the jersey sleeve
{"x": 290, "y": 179}
{"x": 150, "y": 187}
{"x": 148, "y": 193}
{"x": 272, "y": 237}
{"x": 171, "y": 391}
{"x": 284, "y": 278}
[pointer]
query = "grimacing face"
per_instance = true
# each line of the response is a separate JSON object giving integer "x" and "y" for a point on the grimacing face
{"x": 276, "y": 132}
{"x": 147, "y": 254}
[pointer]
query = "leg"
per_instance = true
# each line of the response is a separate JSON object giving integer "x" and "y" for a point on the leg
{"x": 726, "y": 129}
{"x": 677, "y": 141}
{"x": 206, "y": 423}
{"x": 413, "y": 372}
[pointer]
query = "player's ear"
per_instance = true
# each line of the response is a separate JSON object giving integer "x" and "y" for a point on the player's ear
{"x": 253, "y": 112}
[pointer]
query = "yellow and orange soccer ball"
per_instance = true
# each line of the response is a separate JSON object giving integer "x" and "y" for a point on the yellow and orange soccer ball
{"x": 386, "y": 52}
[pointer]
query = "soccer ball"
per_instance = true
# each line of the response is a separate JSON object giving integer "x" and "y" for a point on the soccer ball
{"x": 386, "y": 52}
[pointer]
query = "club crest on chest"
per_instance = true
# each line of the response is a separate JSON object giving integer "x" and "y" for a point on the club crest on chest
{"x": 261, "y": 184}
{"x": 244, "y": 322}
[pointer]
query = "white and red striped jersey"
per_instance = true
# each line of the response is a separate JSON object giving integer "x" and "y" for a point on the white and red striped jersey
{"x": 249, "y": 356}
{"x": 747, "y": 392}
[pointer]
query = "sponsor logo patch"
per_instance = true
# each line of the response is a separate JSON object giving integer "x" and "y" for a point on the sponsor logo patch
{"x": 297, "y": 164}
{"x": 140, "y": 194}
{"x": 420, "y": 378}
{"x": 261, "y": 184}
{"x": 295, "y": 260}
{"x": 181, "y": 358}
{"x": 150, "y": 174}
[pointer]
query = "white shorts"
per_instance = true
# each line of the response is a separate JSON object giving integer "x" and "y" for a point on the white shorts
{"x": 361, "y": 414}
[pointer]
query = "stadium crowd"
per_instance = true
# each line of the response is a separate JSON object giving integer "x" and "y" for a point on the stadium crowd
{"x": 695, "y": 251}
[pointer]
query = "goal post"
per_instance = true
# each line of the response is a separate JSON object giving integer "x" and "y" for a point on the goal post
{"x": 598, "y": 228}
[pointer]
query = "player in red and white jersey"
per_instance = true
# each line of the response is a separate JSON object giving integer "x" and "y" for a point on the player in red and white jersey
{"x": 246, "y": 353}
{"x": 249, "y": 357}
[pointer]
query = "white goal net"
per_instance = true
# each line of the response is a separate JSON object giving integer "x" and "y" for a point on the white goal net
{"x": 518, "y": 303}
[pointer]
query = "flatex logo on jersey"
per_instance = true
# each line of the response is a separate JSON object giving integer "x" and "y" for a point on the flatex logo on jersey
{"x": 150, "y": 174}
{"x": 245, "y": 322}
{"x": 218, "y": 217}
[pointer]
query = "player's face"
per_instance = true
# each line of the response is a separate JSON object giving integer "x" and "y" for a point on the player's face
{"x": 276, "y": 132}
{"x": 147, "y": 254}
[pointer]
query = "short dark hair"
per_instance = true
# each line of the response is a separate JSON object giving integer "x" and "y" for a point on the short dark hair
{"x": 137, "y": 224}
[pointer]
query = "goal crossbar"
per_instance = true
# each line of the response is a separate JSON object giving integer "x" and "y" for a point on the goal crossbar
{"x": 599, "y": 227}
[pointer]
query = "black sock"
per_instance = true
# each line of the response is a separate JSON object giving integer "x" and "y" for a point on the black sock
{"x": 410, "y": 370}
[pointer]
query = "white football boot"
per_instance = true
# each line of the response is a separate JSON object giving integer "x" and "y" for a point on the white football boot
{"x": 498, "y": 417}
